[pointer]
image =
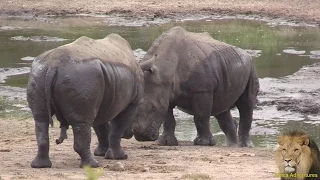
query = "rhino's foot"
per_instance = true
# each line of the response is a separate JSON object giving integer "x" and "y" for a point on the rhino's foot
{"x": 232, "y": 141}
{"x": 127, "y": 134}
{"x": 116, "y": 154}
{"x": 91, "y": 162}
{"x": 167, "y": 140}
{"x": 204, "y": 141}
{"x": 246, "y": 143}
{"x": 100, "y": 151}
{"x": 41, "y": 163}
{"x": 232, "y": 144}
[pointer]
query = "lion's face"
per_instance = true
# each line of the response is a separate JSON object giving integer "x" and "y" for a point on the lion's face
{"x": 293, "y": 154}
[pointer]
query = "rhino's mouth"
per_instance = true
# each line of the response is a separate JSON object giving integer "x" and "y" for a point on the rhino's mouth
{"x": 143, "y": 137}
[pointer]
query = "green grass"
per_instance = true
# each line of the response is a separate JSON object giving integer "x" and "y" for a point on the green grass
{"x": 3, "y": 103}
{"x": 93, "y": 173}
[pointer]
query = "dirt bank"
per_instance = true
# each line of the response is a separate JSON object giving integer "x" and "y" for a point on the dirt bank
{"x": 300, "y": 10}
{"x": 146, "y": 161}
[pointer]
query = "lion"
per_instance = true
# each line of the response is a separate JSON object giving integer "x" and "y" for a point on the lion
{"x": 297, "y": 156}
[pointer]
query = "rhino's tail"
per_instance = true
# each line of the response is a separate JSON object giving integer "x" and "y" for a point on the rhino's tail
{"x": 254, "y": 85}
{"x": 50, "y": 76}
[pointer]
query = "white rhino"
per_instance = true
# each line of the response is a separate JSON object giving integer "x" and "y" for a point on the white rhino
{"x": 201, "y": 76}
{"x": 85, "y": 83}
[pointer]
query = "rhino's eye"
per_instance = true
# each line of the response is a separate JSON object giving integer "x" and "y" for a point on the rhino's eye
{"x": 284, "y": 149}
{"x": 296, "y": 150}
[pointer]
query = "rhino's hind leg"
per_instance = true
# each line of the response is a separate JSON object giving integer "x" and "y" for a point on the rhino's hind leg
{"x": 82, "y": 140}
{"x": 168, "y": 138}
{"x": 246, "y": 112}
{"x": 245, "y": 107}
{"x": 117, "y": 127}
{"x": 229, "y": 127}
{"x": 102, "y": 132}
{"x": 202, "y": 112}
{"x": 42, "y": 159}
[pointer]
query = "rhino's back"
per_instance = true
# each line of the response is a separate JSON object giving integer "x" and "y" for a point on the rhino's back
{"x": 111, "y": 49}
{"x": 180, "y": 49}
{"x": 182, "y": 53}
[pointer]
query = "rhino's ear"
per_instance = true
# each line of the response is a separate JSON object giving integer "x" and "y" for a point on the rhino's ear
{"x": 147, "y": 65}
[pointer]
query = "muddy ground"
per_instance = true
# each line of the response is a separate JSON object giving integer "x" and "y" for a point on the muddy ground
{"x": 300, "y": 10}
{"x": 297, "y": 92}
{"x": 146, "y": 160}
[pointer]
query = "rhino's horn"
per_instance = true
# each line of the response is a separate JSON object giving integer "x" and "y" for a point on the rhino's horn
{"x": 147, "y": 65}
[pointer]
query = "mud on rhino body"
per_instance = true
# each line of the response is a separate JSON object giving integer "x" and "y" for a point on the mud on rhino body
{"x": 201, "y": 76}
{"x": 85, "y": 83}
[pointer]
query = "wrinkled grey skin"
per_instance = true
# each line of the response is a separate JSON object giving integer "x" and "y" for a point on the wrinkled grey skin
{"x": 202, "y": 77}
{"x": 85, "y": 83}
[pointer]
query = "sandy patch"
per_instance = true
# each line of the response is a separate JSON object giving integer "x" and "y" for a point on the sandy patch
{"x": 146, "y": 160}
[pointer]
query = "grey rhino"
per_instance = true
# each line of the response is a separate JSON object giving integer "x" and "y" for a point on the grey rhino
{"x": 201, "y": 76}
{"x": 85, "y": 83}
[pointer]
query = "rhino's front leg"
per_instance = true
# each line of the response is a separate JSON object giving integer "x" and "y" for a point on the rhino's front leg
{"x": 82, "y": 140}
{"x": 42, "y": 159}
{"x": 128, "y": 133}
{"x": 204, "y": 135}
{"x": 102, "y": 132}
{"x": 168, "y": 138}
{"x": 202, "y": 107}
{"x": 117, "y": 127}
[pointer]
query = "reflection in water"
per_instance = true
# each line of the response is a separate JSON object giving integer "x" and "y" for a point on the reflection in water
{"x": 270, "y": 43}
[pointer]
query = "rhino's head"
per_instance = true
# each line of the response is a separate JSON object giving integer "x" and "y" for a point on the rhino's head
{"x": 154, "y": 107}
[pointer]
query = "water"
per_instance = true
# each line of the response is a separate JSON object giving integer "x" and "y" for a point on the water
{"x": 263, "y": 132}
{"x": 283, "y": 50}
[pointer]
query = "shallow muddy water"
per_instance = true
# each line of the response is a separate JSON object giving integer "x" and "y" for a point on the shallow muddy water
{"x": 263, "y": 133}
{"x": 278, "y": 51}
{"x": 281, "y": 50}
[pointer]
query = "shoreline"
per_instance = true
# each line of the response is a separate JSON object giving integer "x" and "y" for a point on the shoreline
{"x": 129, "y": 20}
{"x": 295, "y": 10}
